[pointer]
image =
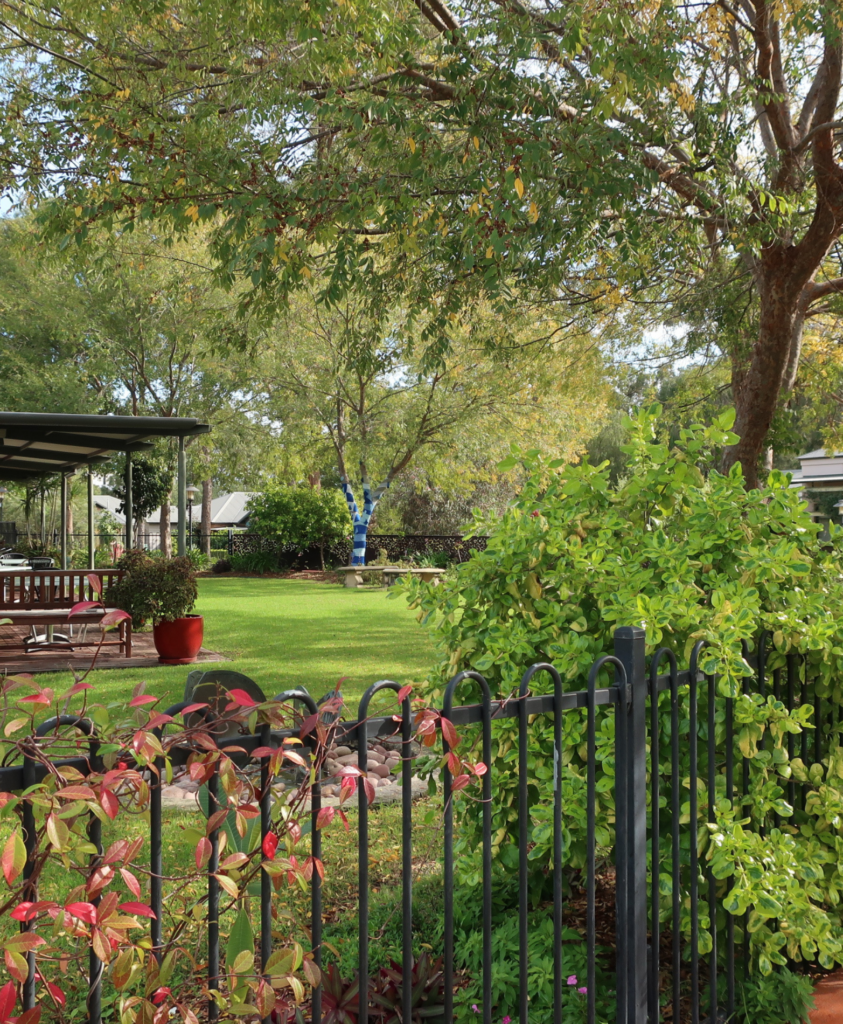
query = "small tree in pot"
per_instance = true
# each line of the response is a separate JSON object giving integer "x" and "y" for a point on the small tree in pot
{"x": 162, "y": 591}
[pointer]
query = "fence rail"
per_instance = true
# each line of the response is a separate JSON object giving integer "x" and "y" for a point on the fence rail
{"x": 647, "y": 983}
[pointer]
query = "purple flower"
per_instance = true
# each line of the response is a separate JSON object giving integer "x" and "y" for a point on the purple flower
{"x": 475, "y": 1007}
{"x": 507, "y": 1020}
{"x": 572, "y": 980}
{"x": 582, "y": 991}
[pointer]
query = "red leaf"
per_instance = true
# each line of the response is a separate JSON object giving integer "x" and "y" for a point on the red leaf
{"x": 83, "y": 606}
{"x": 308, "y": 725}
{"x": 14, "y": 857}
{"x": 35, "y": 698}
{"x": 94, "y": 582}
{"x": 460, "y": 782}
{"x": 370, "y": 790}
{"x": 480, "y": 769}
{"x": 137, "y": 908}
{"x": 325, "y": 816}
{"x": 109, "y": 803}
{"x": 21, "y": 911}
{"x": 242, "y": 699}
{"x": 8, "y": 998}
{"x": 114, "y": 616}
{"x": 269, "y": 845}
{"x": 263, "y": 751}
{"x": 192, "y": 707}
{"x": 160, "y": 994}
{"x": 341, "y": 813}
{"x": 132, "y": 884}
{"x": 203, "y": 853}
{"x": 32, "y": 1016}
{"x": 56, "y": 993}
{"x": 158, "y": 720}
{"x": 449, "y": 732}
{"x": 454, "y": 763}
{"x": 84, "y": 911}
{"x": 405, "y": 691}
{"x": 78, "y": 688}
{"x": 137, "y": 702}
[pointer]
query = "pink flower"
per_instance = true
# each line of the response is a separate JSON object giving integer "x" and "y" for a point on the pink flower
{"x": 582, "y": 991}
{"x": 572, "y": 980}
{"x": 475, "y": 1007}
{"x": 507, "y": 1020}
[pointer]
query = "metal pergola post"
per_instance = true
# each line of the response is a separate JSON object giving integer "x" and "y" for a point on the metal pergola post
{"x": 182, "y": 499}
{"x": 91, "y": 553}
{"x": 128, "y": 504}
{"x": 63, "y": 531}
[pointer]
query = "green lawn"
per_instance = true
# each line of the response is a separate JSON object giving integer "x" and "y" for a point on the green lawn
{"x": 285, "y": 634}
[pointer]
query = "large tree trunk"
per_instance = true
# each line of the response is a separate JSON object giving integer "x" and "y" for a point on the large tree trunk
{"x": 760, "y": 382}
{"x": 164, "y": 528}
{"x": 207, "y": 494}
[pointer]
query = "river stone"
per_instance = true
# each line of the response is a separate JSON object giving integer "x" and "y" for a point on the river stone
{"x": 340, "y": 751}
{"x": 373, "y": 755}
{"x": 380, "y": 770}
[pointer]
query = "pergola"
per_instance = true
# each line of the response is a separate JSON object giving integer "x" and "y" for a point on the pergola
{"x": 34, "y": 444}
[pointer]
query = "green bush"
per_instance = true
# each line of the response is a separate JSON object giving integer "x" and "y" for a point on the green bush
{"x": 300, "y": 517}
{"x": 690, "y": 555}
{"x": 781, "y": 998}
{"x": 154, "y": 589}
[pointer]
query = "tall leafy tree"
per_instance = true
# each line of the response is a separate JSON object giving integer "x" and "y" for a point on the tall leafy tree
{"x": 587, "y": 152}
{"x": 352, "y": 394}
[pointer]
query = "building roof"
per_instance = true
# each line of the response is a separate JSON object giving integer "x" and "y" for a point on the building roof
{"x": 820, "y": 468}
{"x": 230, "y": 508}
{"x": 34, "y": 444}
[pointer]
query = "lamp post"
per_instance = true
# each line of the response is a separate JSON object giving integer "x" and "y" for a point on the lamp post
{"x": 191, "y": 494}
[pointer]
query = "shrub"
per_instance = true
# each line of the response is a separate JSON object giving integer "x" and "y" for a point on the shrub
{"x": 222, "y": 565}
{"x": 154, "y": 589}
{"x": 300, "y": 517}
{"x": 198, "y": 559}
{"x": 781, "y": 998}
{"x": 690, "y": 555}
{"x": 255, "y": 561}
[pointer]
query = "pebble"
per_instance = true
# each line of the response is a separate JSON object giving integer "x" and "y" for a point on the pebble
{"x": 373, "y": 755}
{"x": 380, "y": 770}
{"x": 338, "y": 752}
{"x": 347, "y": 759}
{"x": 380, "y": 749}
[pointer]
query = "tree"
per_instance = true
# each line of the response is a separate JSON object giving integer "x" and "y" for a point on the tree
{"x": 350, "y": 390}
{"x": 587, "y": 153}
{"x": 152, "y": 481}
{"x": 299, "y": 517}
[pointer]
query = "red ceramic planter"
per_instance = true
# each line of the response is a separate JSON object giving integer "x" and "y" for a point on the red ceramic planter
{"x": 178, "y": 642}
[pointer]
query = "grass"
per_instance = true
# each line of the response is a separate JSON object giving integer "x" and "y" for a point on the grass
{"x": 286, "y": 634}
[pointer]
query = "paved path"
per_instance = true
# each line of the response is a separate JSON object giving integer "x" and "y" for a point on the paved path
{"x": 828, "y": 996}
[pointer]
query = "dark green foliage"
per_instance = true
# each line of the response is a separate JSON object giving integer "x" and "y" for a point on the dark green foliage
{"x": 255, "y": 561}
{"x": 154, "y": 589}
{"x": 152, "y": 482}
{"x": 782, "y": 998}
{"x": 222, "y": 565}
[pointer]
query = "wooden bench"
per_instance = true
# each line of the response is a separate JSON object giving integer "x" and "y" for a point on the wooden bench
{"x": 44, "y": 597}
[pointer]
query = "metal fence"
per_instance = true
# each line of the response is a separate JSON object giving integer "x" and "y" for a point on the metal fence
{"x": 682, "y": 985}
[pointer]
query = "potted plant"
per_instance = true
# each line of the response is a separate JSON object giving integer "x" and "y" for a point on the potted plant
{"x": 161, "y": 591}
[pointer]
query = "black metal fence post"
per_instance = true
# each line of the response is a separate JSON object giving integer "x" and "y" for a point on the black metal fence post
{"x": 631, "y": 842}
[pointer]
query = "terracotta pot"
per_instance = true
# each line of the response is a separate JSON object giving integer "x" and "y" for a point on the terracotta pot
{"x": 178, "y": 642}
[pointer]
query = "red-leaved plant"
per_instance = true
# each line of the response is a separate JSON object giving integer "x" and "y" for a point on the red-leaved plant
{"x": 71, "y": 900}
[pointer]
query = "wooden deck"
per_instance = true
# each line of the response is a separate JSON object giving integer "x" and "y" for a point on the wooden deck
{"x": 56, "y": 659}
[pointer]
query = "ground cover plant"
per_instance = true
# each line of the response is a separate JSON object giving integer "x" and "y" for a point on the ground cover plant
{"x": 692, "y": 556}
{"x": 286, "y": 634}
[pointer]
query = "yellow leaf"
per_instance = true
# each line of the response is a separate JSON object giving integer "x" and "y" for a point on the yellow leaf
{"x": 123, "y": 94}
{"x": 193, "y": 213}
{"x": 78, "y": 211}
{"x": 476, "y": 142}
{"x": 412, "y": 144}
{"x": 533, "y": 215}
{"x": 519, "y": 187}
{"x": 305, "y": 272}
{"x": 490, "y": 253}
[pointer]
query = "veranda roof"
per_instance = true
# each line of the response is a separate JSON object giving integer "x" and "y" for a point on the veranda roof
{"x": 34, "y": 444}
